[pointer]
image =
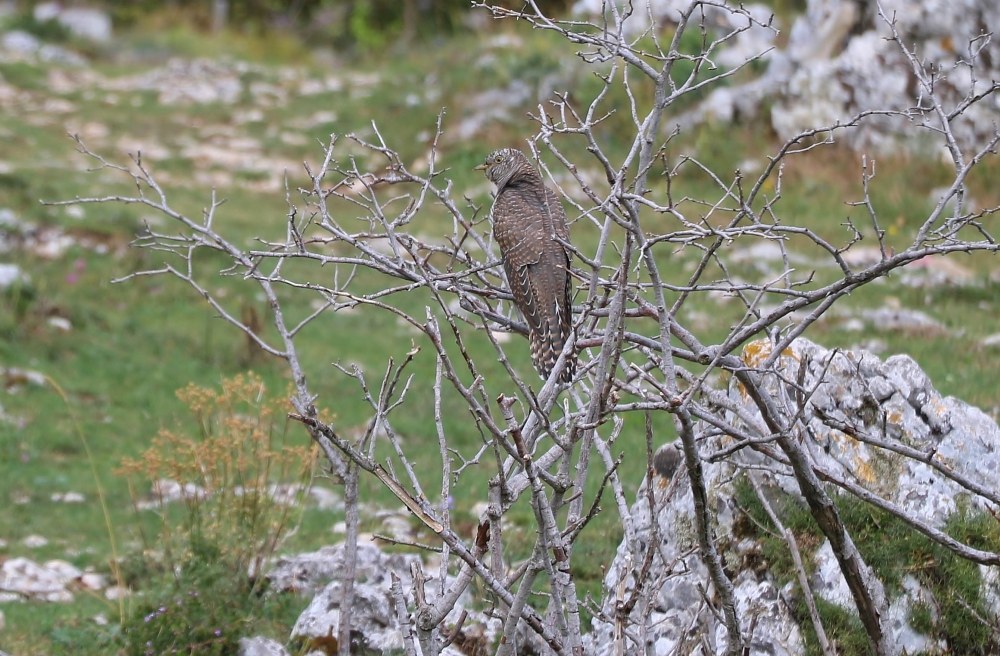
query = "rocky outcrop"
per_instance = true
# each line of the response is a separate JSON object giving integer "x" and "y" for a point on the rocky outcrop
{"x": 23, "y": 579}
{"x": 82, "y": 22}
{"x": 840, "y": 63}
{"x": 857, "y": 399}
{"x": 373, "y": 616}
{"x": 261, "y": 646}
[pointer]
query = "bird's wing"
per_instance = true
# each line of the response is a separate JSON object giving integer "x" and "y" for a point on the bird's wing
{"x": 537, "y": 269}
{"x": 525, "y": 264}
{"x": 556, "y": 215}
{"x": 560, "y": 227}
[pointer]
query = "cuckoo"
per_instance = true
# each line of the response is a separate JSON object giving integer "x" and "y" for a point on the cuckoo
{"x": 529, "y": 224}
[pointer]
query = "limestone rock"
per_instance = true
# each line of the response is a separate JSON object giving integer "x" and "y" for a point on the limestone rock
{"x": 20, "y": 42}
{"x": 82, "y": 22}
{"x": 22, "y": 578}
{"x": 11, "y": 274}
{"x": 260, "y": 646}
{"x": 843, "y": 64}
{"x": 373, "y": 615}
{"x": 311, "y": 572}
{"x": 893, "y": 401}
{"x": 839, "y": 63}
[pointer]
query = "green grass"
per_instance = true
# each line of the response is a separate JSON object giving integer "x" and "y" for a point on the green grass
{"x": 894, "y": 551}
{"x": 132, "y": 345}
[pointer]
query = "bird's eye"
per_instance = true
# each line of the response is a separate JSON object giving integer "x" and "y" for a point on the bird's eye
{"x": 498, "y": 159}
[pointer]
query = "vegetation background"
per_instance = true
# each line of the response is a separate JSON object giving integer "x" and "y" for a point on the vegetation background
{"x": 89, "y": 369}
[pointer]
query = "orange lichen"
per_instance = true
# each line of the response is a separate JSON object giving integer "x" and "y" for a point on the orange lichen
{"x": 758, "y": 351}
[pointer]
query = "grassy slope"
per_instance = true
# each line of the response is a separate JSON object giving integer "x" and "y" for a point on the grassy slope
{"x": 133, "y": 344}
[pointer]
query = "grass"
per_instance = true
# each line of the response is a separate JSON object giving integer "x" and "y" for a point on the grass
{"x": 132, "y": 345}
{"x": 894, "y": 551}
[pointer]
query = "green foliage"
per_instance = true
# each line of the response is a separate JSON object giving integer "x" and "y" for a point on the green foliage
{"x": 365, "y": 29}
{"x": 894, "y": 551}
{"x": 23, "y": 76}
{"x": 48, "y": 30}
{"x": 366, "y": 26}
{"x": 18, "y": 297}
{"x": 205, "y": 610}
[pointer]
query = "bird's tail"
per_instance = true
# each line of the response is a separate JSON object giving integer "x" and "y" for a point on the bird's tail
{"x": 546, "y": 347}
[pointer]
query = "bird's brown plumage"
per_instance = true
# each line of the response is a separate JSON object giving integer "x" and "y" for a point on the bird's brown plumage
{"x": 528, "y": 224}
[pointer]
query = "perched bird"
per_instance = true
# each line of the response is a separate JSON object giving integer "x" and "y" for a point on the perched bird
{"x": 528, "y": 224}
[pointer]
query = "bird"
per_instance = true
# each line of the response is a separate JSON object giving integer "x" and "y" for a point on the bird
{"x": 529, "y": 225}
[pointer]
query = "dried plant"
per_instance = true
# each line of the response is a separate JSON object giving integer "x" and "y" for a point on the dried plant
{"x": 238, "y": 475}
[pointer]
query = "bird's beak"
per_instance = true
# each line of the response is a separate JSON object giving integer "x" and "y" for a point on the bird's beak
{"x": 481, "y": 167}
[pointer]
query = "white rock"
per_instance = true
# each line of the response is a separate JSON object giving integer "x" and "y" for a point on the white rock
{"x": 11, "y": 274}
{"x": 60, "y": 323}
{"x": 15, "y": 377}
{"x": 828, "y": 582}
{"x": 34, "y": 541}
{"x": 24, "y": 578}
{"x": 372, "y": 612}
{"x": 68, "y": 497}
{"x": 19, "y": 42}
{"x": 166, "y": 490}
{"x": 261, "y": 646}
{"x": 902, "y": 319}
{"x": 325, "y": 498}
{"x": 116, "y": 592}
{"x": 93, "y": 581}
{"x": 64, "y": 570}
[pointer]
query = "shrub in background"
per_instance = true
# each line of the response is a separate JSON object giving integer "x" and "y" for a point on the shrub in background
{"x": 243, "y": 490}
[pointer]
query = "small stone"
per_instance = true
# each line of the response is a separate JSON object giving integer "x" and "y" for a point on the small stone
{"x": 260, "y": 646}
{"x": 19, "y": 42}
{"x": 93, "y": 581}
{"x": 325, "y": 498}
{"x": 991, "y": 341}
{"x": 34, "y": 541}
{"x": 116, "y": 592}
{"x": 396, "y": 526}
{"x": 11, "y": 274}
{"x": 60, "y": 323}
{"x": 64, "y": 570}
{"x": 889, "y": 319}
{"x": 68, "y": 497}
{"x": 853, "y": 325}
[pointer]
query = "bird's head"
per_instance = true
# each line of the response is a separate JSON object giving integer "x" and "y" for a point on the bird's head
{"x": 502, "y": 164}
